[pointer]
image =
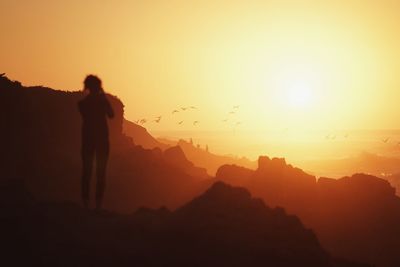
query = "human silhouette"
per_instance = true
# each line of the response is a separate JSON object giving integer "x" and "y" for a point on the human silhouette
{"x": 94, "y": 109}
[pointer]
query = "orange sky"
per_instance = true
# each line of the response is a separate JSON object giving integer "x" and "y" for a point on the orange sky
{"x": 342, "y": 57}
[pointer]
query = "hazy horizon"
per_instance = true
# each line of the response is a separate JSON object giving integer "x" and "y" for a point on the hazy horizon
{"x": 223, "y": 141}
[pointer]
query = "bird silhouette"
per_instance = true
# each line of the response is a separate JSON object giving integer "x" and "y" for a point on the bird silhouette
{"x": 157, "y": 119}
{"x": 136, "y": 121}
{"x": 195, "y": 122}
{"x": 180, "y": 122}
{"x": 385, "y": 140}
{"x": 175, "y": 111}
{"x": 193, "y": 107}
{"x": 330, "y": 137}
{"x": 225, "y": 120}
{"x": 184, "y": 109}
{"x": 143, "y": 121}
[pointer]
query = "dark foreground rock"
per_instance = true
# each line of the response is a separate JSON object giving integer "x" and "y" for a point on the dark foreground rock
{"x": 225, "y": 226}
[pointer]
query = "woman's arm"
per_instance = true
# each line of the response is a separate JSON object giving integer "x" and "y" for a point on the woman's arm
{"x": 109, "y": 110}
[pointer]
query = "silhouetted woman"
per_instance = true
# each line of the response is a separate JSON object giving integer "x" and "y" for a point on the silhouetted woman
{"x": 94, "y": 109}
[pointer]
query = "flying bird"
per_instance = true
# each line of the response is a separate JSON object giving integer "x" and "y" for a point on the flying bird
{"x": 180, "y": 122}
{"x": 225, "y": 120}
{"x": 330, "y": 137}
{"x": 157, "y": 119}
{"x": 184, "y": 109}
{"x": 193, "y": 107}
{"x": 143, "y": 121}
{"x": 385, "y": 140}
{"x": 175, "y": 111}
{"x": 195, "y": 122}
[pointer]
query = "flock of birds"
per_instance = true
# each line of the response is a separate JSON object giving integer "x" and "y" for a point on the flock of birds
{"x": 231, "y": 113}
{"x": 333, "y": 137}
{"x": 194, "y": 122}
{"x": 230, "y": 117}
{"x": 386, "y": 141}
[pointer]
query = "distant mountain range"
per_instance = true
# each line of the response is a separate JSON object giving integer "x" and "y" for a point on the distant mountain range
{"x": 356, "y": 218}
{"x": 199, "y": 156}
{"x": 384, "y": 167}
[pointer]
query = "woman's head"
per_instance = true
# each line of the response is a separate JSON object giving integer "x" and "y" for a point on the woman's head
{"x": 93, "y": 84}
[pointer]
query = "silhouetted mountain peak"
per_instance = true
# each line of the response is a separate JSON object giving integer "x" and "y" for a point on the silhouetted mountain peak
{"x": 222, "y": 192}
{"x": 360, "y": 185}
{"x": 277, "y": 169}
{"x": 360, "y": 179}
{"x": 5, "y": 82}
{"x": 265, "y": 162}
{"x": 175, "y": 156}
{"x": 219, "y": 202}
{"x": 182, "y": 142}
{"x": 233, "y": 174}
{"x": 141, "y": 136}
{"x": 231, "y": 217}
{"x": 223, "y": 201}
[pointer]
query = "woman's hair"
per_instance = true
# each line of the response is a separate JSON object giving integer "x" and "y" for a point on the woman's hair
{"x": 93, "y": 84}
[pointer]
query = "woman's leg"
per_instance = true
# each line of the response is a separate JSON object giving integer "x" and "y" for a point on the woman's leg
{"x": 101, "y": 167}
{"x": 87, "y": 165}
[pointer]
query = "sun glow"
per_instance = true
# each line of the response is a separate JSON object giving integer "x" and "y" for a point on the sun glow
{"x": 286, "y": 65}
{"x": 300, "y": 95}
{"x": 297, "y": 86}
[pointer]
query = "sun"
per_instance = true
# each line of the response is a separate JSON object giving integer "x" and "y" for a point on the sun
{"x": 297, "y": 84}
{"x": 298, "y": 89}
{"x": 299, "y": 95}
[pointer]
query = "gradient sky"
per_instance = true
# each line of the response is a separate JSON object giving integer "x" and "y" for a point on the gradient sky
{"x": 342, "y": 56}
